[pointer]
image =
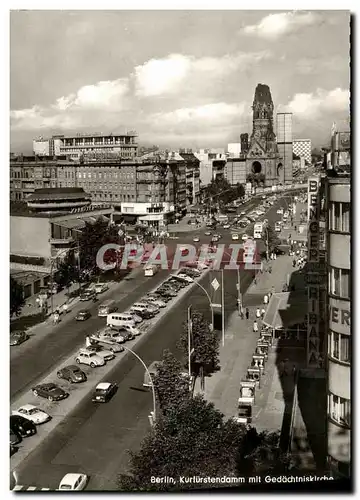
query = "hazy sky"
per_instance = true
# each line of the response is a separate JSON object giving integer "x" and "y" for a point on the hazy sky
{"x": 179, "y": 78}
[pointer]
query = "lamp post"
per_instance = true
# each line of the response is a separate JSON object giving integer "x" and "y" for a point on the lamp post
{"x": 150, "y": 377}
{"x": 210, "y": 303}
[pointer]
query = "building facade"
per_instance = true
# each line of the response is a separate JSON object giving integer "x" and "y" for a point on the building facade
{"x": 339, "y": 325}
{"x": 263, "y": 161}
{"x": 74, "y": 146}
{"x": 302, "y": 148}
{"x": 285, "y": 147}
{"x": 192, "y": 165}
{"x": 212, "y": 164}
{"x": 235, "y": 170}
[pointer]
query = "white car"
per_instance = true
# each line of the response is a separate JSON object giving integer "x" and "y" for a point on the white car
{"x": 280, "y": 211}
{"x": 243, "y": 213}
{"x": 32, "y": 413}
{"x": 106, "y": 354}
{"x": 185, "y": 277}
{"x": 73, "y": 482}
{"x": 156, "y": 302}
{"x": 110, "y": 335}
{"x": 245, "y": 237}
{"x": 101, "y": 287}
{"x": 131, "y": 329}
{"x": 150, "y": 307}
{"x": 136, "y": 318}
{"x": 234, "y": 236}
{"x": 89, "y": 358}
{"x": 207, "y": 233}
{"x": 226, "y": 226}
{"x": 196, "y": 239}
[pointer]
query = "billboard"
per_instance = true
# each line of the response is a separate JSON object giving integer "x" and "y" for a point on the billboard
{"x": 314, "y": 358}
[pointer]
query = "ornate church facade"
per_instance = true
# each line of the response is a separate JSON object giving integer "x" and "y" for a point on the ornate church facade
{"x": 263, "y": 160}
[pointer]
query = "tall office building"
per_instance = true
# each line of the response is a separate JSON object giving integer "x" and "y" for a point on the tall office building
{"x": 285, "y": 146}
{"x": 302, "y": 148}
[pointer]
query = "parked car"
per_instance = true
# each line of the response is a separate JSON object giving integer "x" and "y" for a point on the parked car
{"x": 153, "y": 300}
{"x": 22, "y": 426}
{"x": 162, "y": 296}
{"x": 14, "y": 438}
{"x": 144, "y": 314}
{"x": 109, "y": 344}
{"x": 50, "y": 391}
{"x": 170, "y": 292}
{"x": 83, "y": 315}
{"x": 73, "y": 482}
{"x": 89, "y": 358}
{"x": 87, "y": 294}
{"x": 18, "y": 337}
{"x": 177, "y": 282}
{"x": 110, "y": 334}
{"x": 32, "y": 413}
{"x": 184, "y": 276}
{"x": 101, "y": 287}
{"x": 144, "y": 305}
{"x": 104, "y": 392}
{"x": 105, "y": 354}
{"x": 133, "y": 330}
{"x": 72, "y": 374}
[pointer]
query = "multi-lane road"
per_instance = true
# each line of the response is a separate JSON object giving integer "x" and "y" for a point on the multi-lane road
{"x": 96, "y": 439}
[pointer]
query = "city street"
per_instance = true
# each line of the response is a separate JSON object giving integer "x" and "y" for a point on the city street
{"x": 93, "y": 439}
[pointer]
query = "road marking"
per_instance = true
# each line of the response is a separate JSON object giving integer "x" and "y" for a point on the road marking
{"x": 19, "y": 487}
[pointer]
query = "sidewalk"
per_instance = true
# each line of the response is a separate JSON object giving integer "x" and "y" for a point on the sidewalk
{"x": 222, "y": 388}
{"x": 58, "y": 299}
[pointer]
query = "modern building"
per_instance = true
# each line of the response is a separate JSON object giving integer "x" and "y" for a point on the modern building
{"x": 212, "y": 164}
{"x": 263, "y": 161}
{"x": 234, "y": 149}
{"x": 192, "y": 165}
{"x": 235, "y": 170}
{"x": 123, "y": 145}
{"x": 284, "y": 141}
{"x": 302, "y": 148}
{"x": 55, "y": 200}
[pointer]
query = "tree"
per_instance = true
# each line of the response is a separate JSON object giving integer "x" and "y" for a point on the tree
{"x": 67, "y": 271}
{"x": 271, "y": 238}
{"x": 93, "y": 236}
{"x": 171, "y": 384}
{"x": 205, "y": 343}
{"x": 192, "y": 439}
{"x": 17, "y": 300}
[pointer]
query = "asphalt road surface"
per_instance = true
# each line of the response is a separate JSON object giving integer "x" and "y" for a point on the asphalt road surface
{"x": 95, "y": 439}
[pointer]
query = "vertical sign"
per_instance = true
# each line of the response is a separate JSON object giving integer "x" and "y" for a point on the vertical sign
{"x": 313, "y": 277}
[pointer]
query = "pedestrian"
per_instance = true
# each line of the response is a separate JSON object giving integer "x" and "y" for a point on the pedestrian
{"x": 270, "y": 269}
{"x": 247, "y": 313}
{"x": 275, "y": 256}
{"x": 272, "y": 290}
{"x": 258, "y": 312}
{"x": 294, "y": 262}
{"x": 266, "y": 299}
{"x": 262, "y": 313}
{"x": 255, "y": 327}
{"x": 65, "y": 308}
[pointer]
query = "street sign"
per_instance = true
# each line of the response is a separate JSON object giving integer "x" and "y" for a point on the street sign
{"x": 215, "y": 284}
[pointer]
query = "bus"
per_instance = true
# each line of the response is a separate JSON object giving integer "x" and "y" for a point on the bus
{"x": 151, "y": 270}
{"x": 258, "y": 229}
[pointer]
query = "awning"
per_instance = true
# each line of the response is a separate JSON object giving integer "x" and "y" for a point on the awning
{"x": 286, "y": 309}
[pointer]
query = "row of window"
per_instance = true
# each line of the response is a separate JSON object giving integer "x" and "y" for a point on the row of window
{"x": 339, "y": 346}
{"x": 340, "y": 409}
{"x": 105, "y": 175}
{"x": 339, "y": 282}
{"x": 27, "y": 174}
{"x": 339, "y": 217}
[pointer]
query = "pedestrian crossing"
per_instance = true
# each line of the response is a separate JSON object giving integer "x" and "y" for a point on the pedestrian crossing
{"x": 19, "y": 487}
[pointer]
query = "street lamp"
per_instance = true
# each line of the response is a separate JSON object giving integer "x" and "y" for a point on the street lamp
{"x": 210, "y": 303}
{"x": 150, "y": 378}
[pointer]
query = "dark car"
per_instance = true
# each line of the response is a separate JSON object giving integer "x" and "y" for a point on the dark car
{"x": 170, "y": 292}
{"x": 18, "y": 337}
{"x": 145, "y": 314}
{"x": 173, "y": 285}
{"x": 22, "y": 426}
{"x": 158, "y": 296}
{"x": 179, "y": 282}
{"x": 126, "y": 334}
{"x": 82, "y": 315}
{"x": 87, "y": 294}
{"x": 163, "y": 295}
{"x": 72, "y": 374}
{"x": 50, "y": 391}
{"x": 104, "y": 392}
{"x": 15, "y": 438}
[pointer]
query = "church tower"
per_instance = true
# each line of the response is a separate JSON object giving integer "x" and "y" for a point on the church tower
{"x": 263, "y": 157}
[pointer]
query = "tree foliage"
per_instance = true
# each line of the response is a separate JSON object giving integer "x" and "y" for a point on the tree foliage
{"x": 171, "y": 384}
{"x": 93, "y": 236}
{"x": 271, "y": 238}
{"x": 67, "y": 270}
{"x": 222, "y": 192}
{"x": 17, "y": 300}
{"x": 256, "y": 179}
{"x": 205, "y": 344}
{"x": 194, "y": 439}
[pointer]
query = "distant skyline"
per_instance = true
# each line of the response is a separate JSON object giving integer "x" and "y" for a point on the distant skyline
{"x": 179, "y": 78}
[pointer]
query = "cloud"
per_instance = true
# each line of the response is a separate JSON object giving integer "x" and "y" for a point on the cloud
{"x": 277, "y": 25}
{"x": 168, "y": 75}
{"x": 311, "y": 105}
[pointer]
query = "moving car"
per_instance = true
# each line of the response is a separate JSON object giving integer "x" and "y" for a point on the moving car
{"x": 73, "y": 482}
{"x": 89, "y": 358}
{"x": 50, "y": 391}
{"x": 207, "y": 233}
{"x": 83, "y": 315}
{"x": 234, "y": 236}
{"x": 105, "y": 354}
{"x": 226, "y": 226}
{"x": 245, "y": 237}
{"x": 101, "y": 287}
{"x": 87, "y": 294}
{"x": 32, "y": 413}
{"x": 103, "y": 392}
{"x": 22, "y": 426}
{"x": 196, "y": 239}
{"x": 280, "y": 211}
{"x": 72, "y": 374}
{"x": 18, "y": 337}
{"x": 106, "y": 308}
